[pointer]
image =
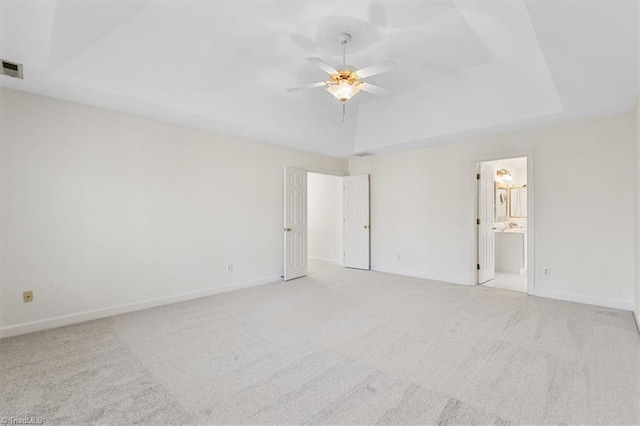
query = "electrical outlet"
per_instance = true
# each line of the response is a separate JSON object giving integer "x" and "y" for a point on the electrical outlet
{"x": 27, "y": 296}
{"x": 230, "y": 267}
{"x": 546, "y": 272}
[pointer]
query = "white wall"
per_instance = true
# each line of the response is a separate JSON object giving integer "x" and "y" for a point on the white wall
{"x": 104, "y": 212}
{"x": 423, "y": 208}
{"x": 637, "y": 306}
{"x": 325, "y": 217}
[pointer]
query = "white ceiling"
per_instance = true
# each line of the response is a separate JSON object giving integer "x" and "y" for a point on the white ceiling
{"x": 464, "y": 68}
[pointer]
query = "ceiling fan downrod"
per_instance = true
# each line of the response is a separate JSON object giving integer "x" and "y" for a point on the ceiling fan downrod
{"x": 344, "y": 39}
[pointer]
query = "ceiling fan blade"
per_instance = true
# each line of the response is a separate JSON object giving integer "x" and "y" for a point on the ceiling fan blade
{"x": 307, "y": 86}
{"x": 323, "y": 65}
{"x": 376, "y": 69}
{"x": 376, "y": 90}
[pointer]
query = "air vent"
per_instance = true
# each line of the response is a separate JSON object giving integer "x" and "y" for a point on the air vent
{"x": 363, "y": 154}
{"x": 11, "y": 69}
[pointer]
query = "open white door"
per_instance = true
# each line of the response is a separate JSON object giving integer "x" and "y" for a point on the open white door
{"x": 486, "y": 236}
{"x": 295, "y": 223}
{"x": 356, "y": 222}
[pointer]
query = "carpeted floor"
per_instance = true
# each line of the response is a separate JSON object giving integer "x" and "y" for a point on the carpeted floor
{"x": 340, "y": 346}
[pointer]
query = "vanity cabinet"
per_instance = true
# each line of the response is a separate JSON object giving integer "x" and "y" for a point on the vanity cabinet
{"x": 511, "y": 251}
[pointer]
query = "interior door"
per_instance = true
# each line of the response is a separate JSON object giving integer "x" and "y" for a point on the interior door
{"x": 486, "y": 235}
{"x": 295, "y": 223}
{"x": 356, "y": 222}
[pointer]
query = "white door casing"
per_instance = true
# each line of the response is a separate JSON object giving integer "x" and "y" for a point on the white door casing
{"x": 486, "y": 233}
{"x": 295, "y": 223}
{"x": 356, "y": 222}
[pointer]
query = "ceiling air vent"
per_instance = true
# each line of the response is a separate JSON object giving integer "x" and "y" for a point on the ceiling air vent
{"x": 11, "y": 69}
{"x": 363, "y": 154}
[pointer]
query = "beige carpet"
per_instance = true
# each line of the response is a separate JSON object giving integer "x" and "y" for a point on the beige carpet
{"x": 340, "y": 346}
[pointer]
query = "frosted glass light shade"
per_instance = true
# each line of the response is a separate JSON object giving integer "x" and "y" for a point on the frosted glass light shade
{"x": 343, "y": 90}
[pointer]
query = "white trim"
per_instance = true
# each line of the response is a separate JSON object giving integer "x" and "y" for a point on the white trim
{"x": 407, "y": 273}
{"x": 570, "y": 297}
{"x": 608, "y": 303}
{"x": 336, "y": 261}
{"x": 29, "y": 327}
{"x": 473, "y": 195}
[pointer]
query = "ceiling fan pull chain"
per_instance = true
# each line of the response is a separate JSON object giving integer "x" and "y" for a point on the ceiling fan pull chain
{"x": 344, "y": 112}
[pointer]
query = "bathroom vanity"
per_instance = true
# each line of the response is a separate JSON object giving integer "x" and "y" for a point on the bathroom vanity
{"x": 511, "y": 251}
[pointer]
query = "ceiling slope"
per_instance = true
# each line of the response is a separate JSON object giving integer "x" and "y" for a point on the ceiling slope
{"x": 464, "y": 68}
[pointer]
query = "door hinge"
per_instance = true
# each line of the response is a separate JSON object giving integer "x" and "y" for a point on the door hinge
{"x": 478, "y": 176}
{"x": 478, "y": 266}
{"x": 477, "y": 221}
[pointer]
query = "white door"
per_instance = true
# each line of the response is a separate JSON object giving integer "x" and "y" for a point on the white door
{"x": 356, "y": 222}
{"x": 295, "y": 223}
{"x": 486, "y": 235}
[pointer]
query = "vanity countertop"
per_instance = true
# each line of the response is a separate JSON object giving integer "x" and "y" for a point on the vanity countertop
{"x": 513, "y": 231}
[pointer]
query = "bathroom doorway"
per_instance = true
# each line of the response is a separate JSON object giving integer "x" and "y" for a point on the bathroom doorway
{"x": 502, "y": 224}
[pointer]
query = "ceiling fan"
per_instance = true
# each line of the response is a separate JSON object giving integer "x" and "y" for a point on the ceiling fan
{"x": 346, "y": 82}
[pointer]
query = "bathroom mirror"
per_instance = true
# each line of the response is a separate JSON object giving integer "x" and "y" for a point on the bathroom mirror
{"x": 518, "y": 201}
{"x": 501, "y": 202}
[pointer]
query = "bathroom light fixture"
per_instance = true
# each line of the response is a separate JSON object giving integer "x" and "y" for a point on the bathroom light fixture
{"x": 504, "y": 174}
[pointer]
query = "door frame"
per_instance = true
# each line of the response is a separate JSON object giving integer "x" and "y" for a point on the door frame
{"x": 473, "y": 209}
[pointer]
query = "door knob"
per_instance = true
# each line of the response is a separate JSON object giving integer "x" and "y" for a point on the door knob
{"x": 287, "y": 229}
{"x": 366, "y": 227}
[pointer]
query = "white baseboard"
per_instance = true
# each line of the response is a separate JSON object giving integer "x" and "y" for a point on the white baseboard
{"x": 29, "y": 327}
{"x": 569, "y": 297}
{"x": 336, "y": 261}
{"x": 408, "y": 273}
{"x": 608, "y": 303}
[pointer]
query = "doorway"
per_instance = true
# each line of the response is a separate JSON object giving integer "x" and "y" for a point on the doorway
{"x": 326, "y": 217}
{"x": 325, "y": 207}
{"x": 503, "y": 223}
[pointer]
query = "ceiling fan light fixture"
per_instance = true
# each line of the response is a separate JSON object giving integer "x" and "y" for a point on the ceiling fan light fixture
{"x": 343, "y": 90}
{"x": 347, "y": 81}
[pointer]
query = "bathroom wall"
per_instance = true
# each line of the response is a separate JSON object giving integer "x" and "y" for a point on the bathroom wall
{"x": 518, "y": 169}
